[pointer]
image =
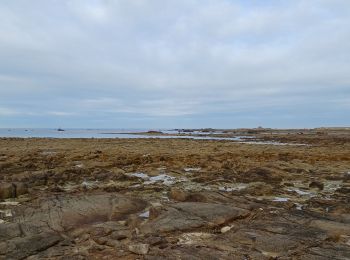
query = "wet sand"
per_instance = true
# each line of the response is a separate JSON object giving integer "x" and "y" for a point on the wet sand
{"x": 177, "y": 198}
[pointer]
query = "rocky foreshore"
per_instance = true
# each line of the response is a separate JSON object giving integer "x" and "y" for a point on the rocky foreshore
{"x": 175, "y": 198}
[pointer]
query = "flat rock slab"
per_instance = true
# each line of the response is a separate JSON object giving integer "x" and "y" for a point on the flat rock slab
{"x": 190, "y": 215}
{"x": 67, "y": 212}
{"x": 22, "y": 247}
{"x": 38, "y": 227}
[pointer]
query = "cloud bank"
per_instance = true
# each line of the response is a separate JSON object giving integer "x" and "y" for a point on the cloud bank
{"x": 183, "y": 63}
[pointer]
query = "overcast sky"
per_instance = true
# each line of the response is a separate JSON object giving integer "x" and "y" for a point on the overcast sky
{"x": 174, "y": 63}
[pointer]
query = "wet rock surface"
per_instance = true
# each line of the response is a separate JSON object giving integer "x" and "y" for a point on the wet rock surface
{"x": 174, "y": 199}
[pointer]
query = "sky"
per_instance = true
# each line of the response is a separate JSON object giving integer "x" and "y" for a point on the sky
{"x": 174, "y": 63}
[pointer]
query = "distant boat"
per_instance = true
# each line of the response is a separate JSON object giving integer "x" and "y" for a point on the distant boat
{"x": 60, "y": 130}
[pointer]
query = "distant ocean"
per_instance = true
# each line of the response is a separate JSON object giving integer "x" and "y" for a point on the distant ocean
{"x": 94, "y": 133}
{"x": 69, "y": 133}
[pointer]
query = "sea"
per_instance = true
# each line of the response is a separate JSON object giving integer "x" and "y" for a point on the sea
{"x": 99, "y": 133}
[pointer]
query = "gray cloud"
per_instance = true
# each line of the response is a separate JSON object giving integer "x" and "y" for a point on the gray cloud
{"x": 184, "y": 62}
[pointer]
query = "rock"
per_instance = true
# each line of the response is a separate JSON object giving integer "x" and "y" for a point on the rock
{"x": 226, "y": 229}
{"x": 9, "y": 231}
{"x": 171, "y": 220}
{"x": 182, "y": 196}
{"x": 189, "y": 215}
{"x": 30, "y": 245}
{"x": 100, "y": 240}
{"x": 39, "y": 228}
{"x": 343, "y": 190}
{"x": 3, "y": 248}
{"x": 7, "y": 190}
{"x": 12, "y": 190}
{"x": 259, "y": 189}
{"x": 177, "y": 194}
{"x": 334, "y": 252}
{"x": 331, "y": 227}
{"x": 111, "y": 189}
{"x": 154, "y": 212}
{"x": 155, "y": 240}
{"x": 56, "y": 188}
{"x": 275, "y": 245}
{"x": 139, "y": 248}
{"x": 120, "y": 235}
{"x": 316, "y": 184}
{"x": 133, "y": 221}
{"x": 196, "y": 197}
{"x": 217, "y": 214}
{"x": 262, "y": 175}
{"x": 21, "y": 188}
{"x": 75, "y": 211}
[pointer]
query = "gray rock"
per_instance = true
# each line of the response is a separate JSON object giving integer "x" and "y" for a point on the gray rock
{"x": 140, "y": 249}
{"x": 43, "y": 226}
{"x": 215, "y": 213}
{"x": 75, "y": 211}
{"x": 9, "y": 231}
{"x": 172, "y": 219}
{"x": 189, "y": 215}
{"x": 30, "y": 245}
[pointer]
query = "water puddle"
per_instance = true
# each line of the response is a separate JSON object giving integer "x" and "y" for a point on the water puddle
{"x": 166, "y": 179}
{"x": 301, "y": 192}
{"x": 280, "y": 199}
{"x": 233, "y": 187}
{"x": 163, "y": 178}
{"x": 144, "y": 214}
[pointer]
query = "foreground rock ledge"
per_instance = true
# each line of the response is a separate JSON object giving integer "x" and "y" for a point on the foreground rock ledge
{"x": 175, "y": 199}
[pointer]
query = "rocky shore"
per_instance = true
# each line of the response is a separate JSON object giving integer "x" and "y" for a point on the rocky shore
{"x": 176, "y": 198}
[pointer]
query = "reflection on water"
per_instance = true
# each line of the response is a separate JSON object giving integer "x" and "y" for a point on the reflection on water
{"x": 117, "y": 133}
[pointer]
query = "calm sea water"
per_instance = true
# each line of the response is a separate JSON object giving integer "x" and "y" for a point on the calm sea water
{"x": 93, "y": 133}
